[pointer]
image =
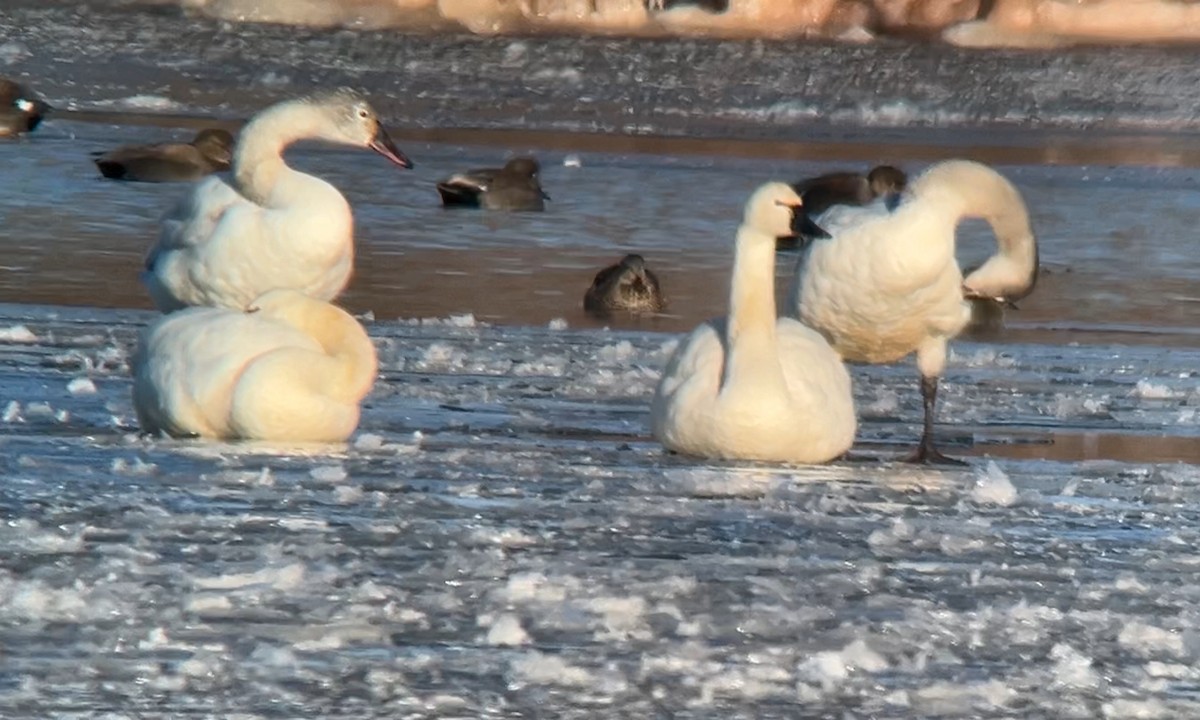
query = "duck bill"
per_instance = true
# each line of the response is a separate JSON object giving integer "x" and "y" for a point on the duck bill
{"x": 383, "y": 145}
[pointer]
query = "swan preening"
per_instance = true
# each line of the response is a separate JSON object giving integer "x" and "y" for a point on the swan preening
{"x": 512, "y": 187}
{"x": 209, "y": 152}
{"x": 289, "y": 368}
{"x": 753, "y": 386}
{"x": 628, "y": 285}
{"x": 273, "y": 227}
{"x": 886, "y": 283}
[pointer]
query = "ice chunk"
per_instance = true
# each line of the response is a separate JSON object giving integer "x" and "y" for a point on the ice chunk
{"x": 329, "y": 473}
{"x": 506, "y": 630}
{"x": 368, "y": 441}
{"x": 992, "y": 487}
{"x": 1072, "y": 668}
{"x": 81, "y": 386}
{"x": 557, "y": 324}
{"x": 1148, "y": 390}
{"x": 540, "y": 669}
{"x": 17, "y": 334}
{"x": 1148, "y": 640}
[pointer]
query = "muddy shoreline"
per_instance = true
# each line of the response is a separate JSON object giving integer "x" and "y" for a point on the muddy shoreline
{"x": 99, "y": 55}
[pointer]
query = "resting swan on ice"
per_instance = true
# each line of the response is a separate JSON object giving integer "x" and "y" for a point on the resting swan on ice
{"x": 886, "y": 283}
{"x": 752, "y": 386}
{"x": 289, "y": 368}
{"x": 274, "y": 227}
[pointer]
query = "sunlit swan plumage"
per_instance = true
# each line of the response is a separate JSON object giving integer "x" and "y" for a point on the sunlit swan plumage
{"x": 273, "y": 227}
{"x": 886, "y": 283}
{"x": 290, "y": 368}
{"x": 750, "y": 385}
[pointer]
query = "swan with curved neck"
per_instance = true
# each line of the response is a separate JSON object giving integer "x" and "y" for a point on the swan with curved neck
{"x": 886, "y": 283}
{"x": 750, "y": 385}
{"x": 273, "y": 227}
{"x": 290, "y": 368}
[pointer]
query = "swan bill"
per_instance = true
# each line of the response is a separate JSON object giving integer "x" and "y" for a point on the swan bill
{"x": 382, "y": 144}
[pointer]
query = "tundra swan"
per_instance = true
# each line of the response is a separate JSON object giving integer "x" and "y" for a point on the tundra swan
{"x": 274, "y": 227}
{"x": 750, "y": 385}
{"x": 629, "y": 285}
{"x": 512, "y": 187}
{"x": 209, "y": 152}
{"x": 886, "y": 283}
{"x": 289, "y": 368}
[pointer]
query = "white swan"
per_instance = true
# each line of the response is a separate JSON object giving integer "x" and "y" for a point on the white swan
{"x": 886, "y": 284}
{"x": 750, "y": 385}
{"x": 274, "y": 227}
{"x": 290, "y": 368}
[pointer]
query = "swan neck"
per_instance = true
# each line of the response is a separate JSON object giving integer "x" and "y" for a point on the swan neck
{"x": 751, "y": 329}
{"x": 258, "y": 159}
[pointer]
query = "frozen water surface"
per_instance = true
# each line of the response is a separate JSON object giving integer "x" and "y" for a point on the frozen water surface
{"x": 503, "y": 539}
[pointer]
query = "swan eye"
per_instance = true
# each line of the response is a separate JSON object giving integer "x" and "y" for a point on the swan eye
{"x": 364, "y": 113}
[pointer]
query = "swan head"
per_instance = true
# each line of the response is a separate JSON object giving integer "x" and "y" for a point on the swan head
{"x": 772, "y": 210}
{"x": 350, "y": 119}
{"x": 215, "y": 144}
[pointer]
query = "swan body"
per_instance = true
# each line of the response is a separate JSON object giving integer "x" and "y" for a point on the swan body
{"x": 513, "y": 187}
{"x": 209, "y": 152}
{"x": 21, "y": 111}
{"x": 273, "y": 227}
{"x": 750, "y": 385}
{"x": 291, "y": 368}
{"x": 628, "y": 285}
{"x": 887, "y": 284}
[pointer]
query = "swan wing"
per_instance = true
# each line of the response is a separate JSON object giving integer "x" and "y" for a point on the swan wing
{"x": 193, "y": 221}
{"x": 690, "y": 382}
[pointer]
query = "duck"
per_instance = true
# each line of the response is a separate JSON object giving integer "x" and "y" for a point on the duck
{"x": 513, "y": 187}
{"x": 842, "y": 188}
{"x": 287, "y": 368}
{"x": 210, "y": 151}
{"x": 628, "y": 285}
{"x": 753, "y": 386}
{"x": 21, "y": 110}
{"x": 270, "y": 226}
{"x": 886, "y": 283}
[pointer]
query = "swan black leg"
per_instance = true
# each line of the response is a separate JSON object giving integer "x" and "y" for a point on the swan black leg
{"x": 925, "y": 453}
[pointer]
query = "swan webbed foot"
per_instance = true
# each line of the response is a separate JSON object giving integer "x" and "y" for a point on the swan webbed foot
{"x": 926, "y": 454}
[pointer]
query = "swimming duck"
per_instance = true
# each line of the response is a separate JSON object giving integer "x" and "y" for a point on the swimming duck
{"x": 628, "y": 285}
{"x": 886, "y": 282}
{"x": 288, "y": 368}
{"x": 272, "y": 227}
{"x": 842, "y": 188}
{"x": 21, "y": 111}
{"x": 512, "y": 187}
{"x": 750, "y": 385}
{"x": 209, "y": 152}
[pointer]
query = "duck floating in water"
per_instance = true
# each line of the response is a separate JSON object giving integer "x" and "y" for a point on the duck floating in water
{"x": 21, "y": 111}
{"x": 753, "y": 386}
{"x": 289, "y": 368}
{"x": 842, "y": 188}
{"x": 628, "y": 285}
{"x": 273, "y": 227}
{"x": 512, "y": 187}
{"x": 209, "y": 152}
{"x": 886, "y": 282}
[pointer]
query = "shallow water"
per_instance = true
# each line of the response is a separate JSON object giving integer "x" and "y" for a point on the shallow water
{"x": 1116, "y": 241}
